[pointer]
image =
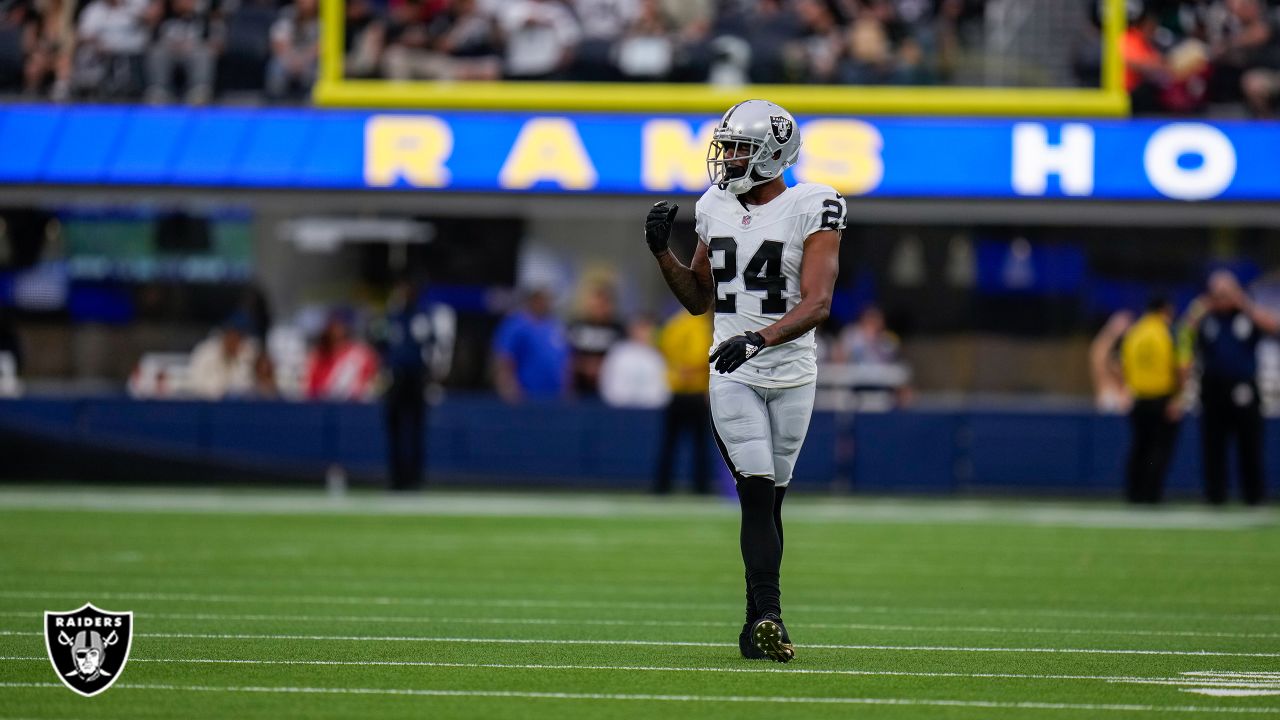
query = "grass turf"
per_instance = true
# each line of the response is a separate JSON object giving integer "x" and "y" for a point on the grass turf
{"x": 268, "y": 605}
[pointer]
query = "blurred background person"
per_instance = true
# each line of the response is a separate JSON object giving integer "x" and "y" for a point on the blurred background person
{"x": 591, "y": 336}
{"x": 415, "y": 339}
{"x": 295, "y": 42}
{"x": 531, "y": 352}
{"x": 189, "y": 37}
{"x": 265, "y": 386}
{"x": 340, "y": 367}
{"x": 685, "y": 343}
{"x": 541, "y": 37}
{"x": 1228, "y": 327}
{"x": 1110, "y": 391}
{"x": 878, "y": 376}
{"x": 1154, "y": 380}
{"x": 222, "y": 365}
{"x": 49, "y": 44}
{"x": 633, "y": 374}
{"x": 112, "y": 37}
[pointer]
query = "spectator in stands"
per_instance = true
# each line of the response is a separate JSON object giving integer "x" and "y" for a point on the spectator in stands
{"x": 295, "y": 39}
{"x": 813, "y": 56}
{"x": 531, "y": 354}
{"x": 340, "y": 367}
{"x": 880, "y": 376}
{"x": 633, "y": 374}
{"x": 18, "y": 22}
{"x": 1249, "y": 50}
{"x": 461, "y": 43}
{"x": 685, "y": 342}
{"x": 190, "y": 37}
{"x": 540, "y": 38}
{"x": 264, "y": 377}
{"x": 591, "y": 335}
{"x": 868, "y": 55}
{"x": 603, "y": 24}
{"x": 867, "y": 340}
{"x": 646, "y": 50}
{"x": 690, "y": 21}
{"x": 111, "y": 43}
{"x": 771, "y": 29}
{"x": 1228, "y": 327}
{"x": 1159, "y": 84}
{"x": 49, "y": 50}
{"x": 1152, "y": 375}
{"x": 223, "y": 364}
{"x": 365, "y": 37}
{"x": 1110, "y": 393}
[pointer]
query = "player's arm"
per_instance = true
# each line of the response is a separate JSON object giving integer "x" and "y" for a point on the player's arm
{"x": 692, "y": 285}
{"x": 818, "y": 269}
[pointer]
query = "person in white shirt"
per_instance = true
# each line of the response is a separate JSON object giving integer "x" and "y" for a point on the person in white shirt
{"x": 541, "y": 36}
{"x": 223, "y": 364}
{"x": 112, "y": 37}
{"x": 634, "y": 375}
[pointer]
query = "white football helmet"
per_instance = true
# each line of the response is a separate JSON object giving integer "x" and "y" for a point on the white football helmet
{"x": 773, "y": 145}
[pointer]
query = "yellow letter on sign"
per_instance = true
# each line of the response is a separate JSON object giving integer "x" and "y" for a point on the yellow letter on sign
{"x": 548, "y": 149}
{"x": 674, "y": 159}
{"x": 412, "y": 147}
{"x": 844, "y": 154}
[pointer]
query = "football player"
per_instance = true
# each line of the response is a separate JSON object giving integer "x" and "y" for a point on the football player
{"x": 766, "y": 265}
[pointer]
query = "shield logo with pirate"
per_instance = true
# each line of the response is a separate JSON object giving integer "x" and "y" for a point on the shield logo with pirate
{"x": 782, "y": 128}
{"x": 88, "y": 647}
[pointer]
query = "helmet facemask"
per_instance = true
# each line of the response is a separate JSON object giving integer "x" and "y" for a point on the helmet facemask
{"x": 737, "y": 172}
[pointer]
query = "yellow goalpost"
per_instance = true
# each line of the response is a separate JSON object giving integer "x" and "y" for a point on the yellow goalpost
{"x": 333, "y": 89}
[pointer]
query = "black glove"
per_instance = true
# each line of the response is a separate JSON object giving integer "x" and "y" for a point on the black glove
{"x": 657, "y": 226}
{"x": 737, "y": 350}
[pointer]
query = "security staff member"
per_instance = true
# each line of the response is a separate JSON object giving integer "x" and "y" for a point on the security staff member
{"x": 417, "y": 347}
{"x": 1226, "y": 342}
{"x": 684, "y": 342}
{"x": 1152, "y": 374}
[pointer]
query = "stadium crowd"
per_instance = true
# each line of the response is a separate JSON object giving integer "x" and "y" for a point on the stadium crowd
{"x": 1181, "y": 55}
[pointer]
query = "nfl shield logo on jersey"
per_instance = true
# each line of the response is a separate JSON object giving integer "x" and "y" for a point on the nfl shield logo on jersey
{"x": 782, "y": 128}
{"x": 88, "y": 647}
{"x": 746, "y": 220}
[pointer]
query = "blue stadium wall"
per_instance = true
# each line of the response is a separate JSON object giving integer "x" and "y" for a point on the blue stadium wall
{"x": 480, "y": 440}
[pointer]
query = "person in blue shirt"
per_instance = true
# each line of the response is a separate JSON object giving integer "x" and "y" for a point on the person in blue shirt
{"x": 1226, "y": 344}
{"x": 417, "y": 346}
{"x": 531, "y": 353}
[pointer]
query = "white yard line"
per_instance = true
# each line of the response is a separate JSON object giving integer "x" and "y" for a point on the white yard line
{"x": 666, "y": 643}
{"x": 769, "y": 669}
{"x": 412, "y": 620}
{"x": 860, "y": 510}
{"x": 631, "y": 605}
{"x": 636, "y": 697}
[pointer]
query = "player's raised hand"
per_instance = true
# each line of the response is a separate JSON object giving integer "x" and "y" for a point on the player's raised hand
{"x": 657, "y": 226}
{"x": 735, "y": 351}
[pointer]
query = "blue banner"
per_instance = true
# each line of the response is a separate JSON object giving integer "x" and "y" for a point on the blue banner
{"x": 611, "y": 154}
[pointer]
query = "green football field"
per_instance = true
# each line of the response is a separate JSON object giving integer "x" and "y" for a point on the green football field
{"x": 464, "y": 605}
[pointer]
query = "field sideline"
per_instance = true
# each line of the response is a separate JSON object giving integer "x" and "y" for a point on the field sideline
{"x": 268, "y": 604}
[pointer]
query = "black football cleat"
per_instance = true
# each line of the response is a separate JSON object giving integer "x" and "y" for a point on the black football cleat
{"x": 747, "y": 646}
{"x": 770, "y": 638}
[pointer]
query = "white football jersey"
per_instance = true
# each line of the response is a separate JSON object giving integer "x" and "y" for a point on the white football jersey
{"x": 755, "y": 259}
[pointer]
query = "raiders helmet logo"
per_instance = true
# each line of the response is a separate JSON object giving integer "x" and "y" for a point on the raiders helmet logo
{"x": 88, "y": 647}
{"x": 782, "y": 128}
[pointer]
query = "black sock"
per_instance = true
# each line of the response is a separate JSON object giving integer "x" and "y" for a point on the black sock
{"x": 778, "y": 494}
{"x": 761, "y": 546}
